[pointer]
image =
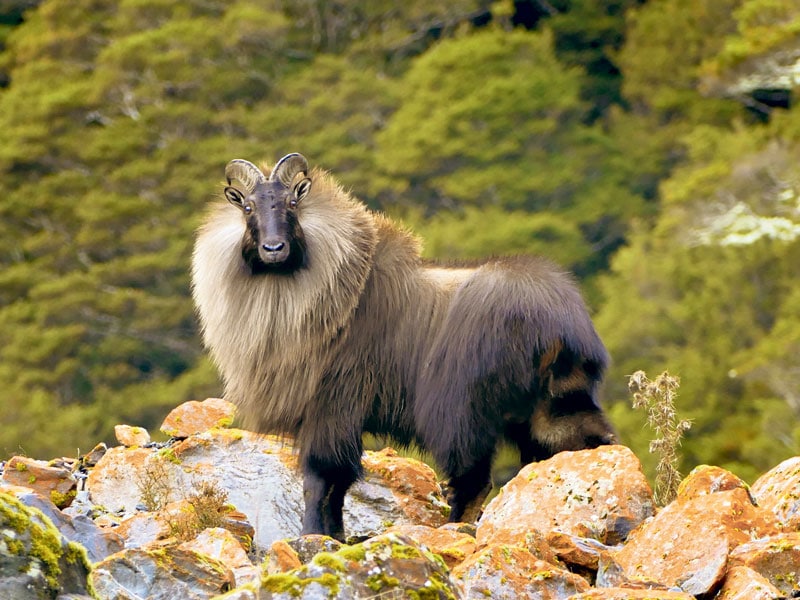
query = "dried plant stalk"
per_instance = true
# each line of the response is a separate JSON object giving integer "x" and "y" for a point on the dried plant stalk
{"x": 658, "y": 398}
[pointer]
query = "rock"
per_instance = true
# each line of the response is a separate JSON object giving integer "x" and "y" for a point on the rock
{"x": 131, "y": 436}
{"x": 194, "y": 417}
{"x": 97, "y": 542}
{"x": 145, "y": 528}
{"x": 577, "y": 551}
{"x": 54, "y": 482}
{"x": 777, "y": 558}
{"x": 92, "y": 457}
{"x": 500, "y": 571}
{"x": 36, "y": 561}
{"x": 413, "y": 486}
{"x": 281, "y": 558}
{"x": 222, "y": 545}
{"x": 778, "y": 490}
{"x": 600, "y": 493}
{"x": 307, "y": 547}
{"x": 288, "y": 554}
{"x": 707, "y": 479}
{"x": 631, "y": 594}
{"x": 742, "y": 583}
{"x": 387, "y": 566}
{"x": 160, "y": 574}
{"x": 536, "y": 543}
{"x": 451, "y": 545}
{"x": 260, "y": 476}
{"x": 686, "y": 545}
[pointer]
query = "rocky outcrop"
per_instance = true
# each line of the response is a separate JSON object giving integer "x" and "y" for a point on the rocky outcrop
{"x": 36, "y": 560}
{"x": 215, "y": 513}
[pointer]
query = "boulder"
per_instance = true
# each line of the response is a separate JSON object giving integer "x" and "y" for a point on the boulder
{"x": 164, "y": 573}
{"x": 97, "y": 541}
{"x": 743, "y": 583}
{"x": 578, "y": 552}
{"x": 511, "y": 572}
{"x": 622, "y": 593}
{"x": 291, "y": 553}
{"x": 452, "y": 545}
{"x": 36, "y": 560}
{"x": 778, "y": 490}
{"x": 194, "y": 417}
{"x": 260, "y": 476}
{"x": 386, "y": 566}
{"x": 777, "y": 558}
{"x": 222, "y": 545}
{"x": 131, "y": 436}
{"x": 687, "y": 544}
{"x": 600, "y": 494}
{"x": 706, "y": 479}
{"x": 55, "y": 482}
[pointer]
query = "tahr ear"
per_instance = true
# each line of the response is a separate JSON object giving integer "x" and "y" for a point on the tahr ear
{"x": 302, "y": 188}
{"x": 234, "y": 196}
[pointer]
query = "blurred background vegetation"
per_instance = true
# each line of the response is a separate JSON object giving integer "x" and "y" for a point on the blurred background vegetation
{"x": 650, "y": 146}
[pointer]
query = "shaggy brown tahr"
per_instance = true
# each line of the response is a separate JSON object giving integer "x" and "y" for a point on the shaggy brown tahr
{"x": 325, "y": 323}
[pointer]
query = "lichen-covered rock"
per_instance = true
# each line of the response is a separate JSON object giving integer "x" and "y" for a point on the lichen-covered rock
{"x": 97, "y": 541}
{"x": 777, "y": 558}
{"x": 707, "y": 479}
{"x": 222, "y": 545}
{"x": 413, "y": 486}
{"x": 511, "y": 572}
{"x": 453, "y": 546}
{"x": 260, "y": 476}
{"x": 387, "y": 566}
{"x": 194, "y": 417}
{"x": 36, "y": 561}
{"x": 131, "y": 436}
{"x": 687, "y": 544}
{"x": 51, "y": 481}
{"x": 743, "y": 583}
{"x": 601, "y": 494}
{"x": 778, "y": 490}
{"x": 584, "y": 553}
{"x": 160, "y": 574}
{"x": 621, "y": 593}
{"x": 291, "y": 553}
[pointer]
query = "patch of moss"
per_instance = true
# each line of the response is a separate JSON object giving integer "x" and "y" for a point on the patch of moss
{"x": 436, "y": 588}
{"x": 379, "y": 581}
{"x": 224, "y": 422}
{"x": 62, "y": 500}
{"x": 400, "y": 550}
{"x": 355, "y": 553}
{"x": 169, "y": 454}
{"x": 293, "y": 584}
{"x": 45, "y": 539}
{"x": 21, "y": 467}
{"x": 329, "y": 560}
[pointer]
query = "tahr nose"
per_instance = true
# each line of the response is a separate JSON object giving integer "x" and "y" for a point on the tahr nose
{"x": 273, "y": 247}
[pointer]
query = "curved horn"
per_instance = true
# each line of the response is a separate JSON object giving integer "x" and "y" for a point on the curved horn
{"x": 245, "y": 172}
{"x": 287, "y": 167}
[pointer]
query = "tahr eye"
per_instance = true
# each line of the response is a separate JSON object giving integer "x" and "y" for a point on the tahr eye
{"x": 247, "y": 208}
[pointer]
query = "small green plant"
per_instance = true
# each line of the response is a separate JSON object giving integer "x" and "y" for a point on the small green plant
{"x": 658, "y": 398}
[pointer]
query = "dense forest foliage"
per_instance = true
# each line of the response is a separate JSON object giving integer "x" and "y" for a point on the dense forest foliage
{"x": 651, "y": 147}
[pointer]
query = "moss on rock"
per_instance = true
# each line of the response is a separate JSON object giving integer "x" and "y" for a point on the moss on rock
{"x": 31, "y": 544}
